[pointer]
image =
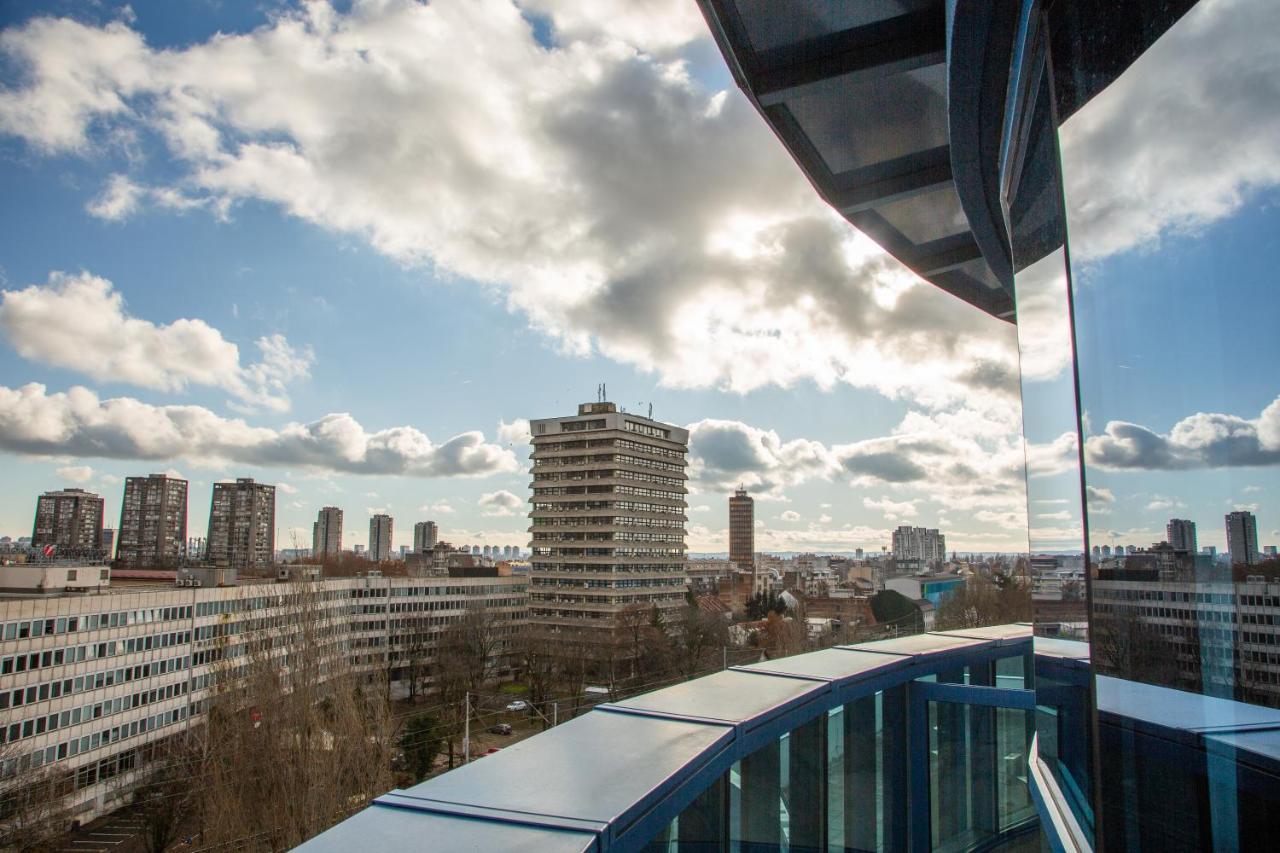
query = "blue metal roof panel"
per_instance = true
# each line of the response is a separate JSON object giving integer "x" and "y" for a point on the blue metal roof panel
{"x": 381, "y": 827}
{"x": 920, "y": 644}
{"x": 838, "y": 664}
{"x": 601, "y": 767}
{"x": 1178, "y": 709}
{"x": 1055, "y": 648}
{"x": 733, "y": 696}
{"x": 991, "y": 632}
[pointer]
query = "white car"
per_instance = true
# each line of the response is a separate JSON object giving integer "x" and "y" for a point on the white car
{"x": 518, "y": 705}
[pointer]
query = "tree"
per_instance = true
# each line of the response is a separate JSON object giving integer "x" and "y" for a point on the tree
{"x": 420, "y": 743}
{"x": 33, "y": 814}
{"x": 166, "y": 799}
{"x": 895, "y": 609}
{"x": 698, "y": 638}
{"x": 293, "y": 740}
{"x": 997, "y": 599}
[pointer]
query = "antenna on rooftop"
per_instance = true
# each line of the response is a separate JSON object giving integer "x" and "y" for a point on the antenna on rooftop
{"x": 651, "y": 411}
{"x": 604, "y": 392}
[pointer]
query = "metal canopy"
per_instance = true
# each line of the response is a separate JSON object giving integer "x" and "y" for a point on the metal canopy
{"x": 859, "y": 95}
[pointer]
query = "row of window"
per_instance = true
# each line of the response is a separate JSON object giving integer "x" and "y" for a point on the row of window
{"x": 610, "y": 536}
{"x": 91, "y": 681}
{"x": 75, "y": 746}
{"x": 628, "y": 506}
{"x": 608, "y": 552}
{"x": 74, "y": 654}
{"x": 35, "y": 726}
{"x": 609, "y": 521}
{"x": 29, "y": 628}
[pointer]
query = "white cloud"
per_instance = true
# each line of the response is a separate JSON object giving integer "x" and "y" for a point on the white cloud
{"x": 286, "y": 488}
{"x": 514, "y": 433}
{"x": 891, "y": 509}
{"x": 824, "y": 519}
{"x": 1060, "y": 515}
{"x": 673, "y": 264}
{"x": 501, "y": 502}
{"x": 1202, "y": 440}
{"x": 1198, "y": 106}
{"x": 724, "y": 454}
{"x": 789, "y": 515}
{"x": 1160, "y": 502}
{"x": 119, "y": 199}
{"x": 75, "y": 473}
{"x": 700, "y": 508}
{"x": 439, "y": 508}
{"x": 77, "y": 423}
{"x": 79, "y": 322}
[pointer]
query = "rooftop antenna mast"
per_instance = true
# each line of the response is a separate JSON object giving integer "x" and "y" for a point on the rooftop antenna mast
{"x": 604, "y": 392}
{"x": 651, "y": 411}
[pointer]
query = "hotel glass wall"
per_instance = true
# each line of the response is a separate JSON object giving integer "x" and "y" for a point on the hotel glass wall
{"x": 1146, "y": 237}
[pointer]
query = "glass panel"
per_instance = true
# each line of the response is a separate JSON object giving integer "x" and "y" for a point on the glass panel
{"x": 771, "y": 24}
{"x": 910, "y": 112}
{"x": 928, "y": 216}
{"x": 856, "y": 788}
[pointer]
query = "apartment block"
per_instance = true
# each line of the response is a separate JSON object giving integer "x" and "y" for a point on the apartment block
{"x": 326, "y": 533}
{"x": 425, "y": 536}
{"x": 918, "y": 548}
{"x": 69, "y": 521}
{"x": 242, "y": 524}
{"x": 380, "y": 530}
{"x": 608, "y": 520}
{"x": 153, "y": 521}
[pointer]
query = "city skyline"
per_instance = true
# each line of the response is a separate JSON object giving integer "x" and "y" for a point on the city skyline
{"x": 259, "y": 372}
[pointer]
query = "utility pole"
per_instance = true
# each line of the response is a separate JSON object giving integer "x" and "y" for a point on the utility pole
{"x": 466, "y": 728}
{"x": 555, "y": 714}
{"x": 724, "y": 650}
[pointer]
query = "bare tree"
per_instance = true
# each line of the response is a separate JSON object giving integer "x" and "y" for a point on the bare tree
{"x": 536, "y": 660}
{"x": 168, "y": 797}
{"x": 33, "y": 812}
{"x": 294, "y": 740}
{"x": 698, "y": 636}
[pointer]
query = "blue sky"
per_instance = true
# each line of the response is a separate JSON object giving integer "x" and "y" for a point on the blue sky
{"x": 442, "y": 220}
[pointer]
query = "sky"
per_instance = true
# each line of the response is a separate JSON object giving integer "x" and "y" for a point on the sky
{"x": 351, "y": 248}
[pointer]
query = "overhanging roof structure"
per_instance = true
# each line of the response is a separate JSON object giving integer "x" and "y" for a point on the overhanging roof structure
{"x": 859, "y": 94}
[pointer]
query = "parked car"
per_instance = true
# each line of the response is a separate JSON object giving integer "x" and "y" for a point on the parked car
{"x": 518, "y": 705}
{"x": 500, "y": 729}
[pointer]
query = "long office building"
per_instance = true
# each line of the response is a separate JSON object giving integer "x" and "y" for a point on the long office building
{"x": 326, "y": 533}
{"x": 608, "y": 520}
{"x": 380, "y": 530}
{"x": 242, "y": 524}
{"x": 69, "y": 521}
{"x": 153, "y": 521}
{"x": 90, "y": 682}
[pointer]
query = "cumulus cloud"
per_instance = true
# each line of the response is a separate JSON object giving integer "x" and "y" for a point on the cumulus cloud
{"x": 439, "y": 508}
{"x": 516, "y": 432}
{"x": 891, "y": 509}
{"x": 1199, "y": 105}
{"x": 724, "y": 454}
{"x": 1202, "y": 440}
{"x": 121, "y": 197}
{"x": 75, "y": 473}
{"x": 78, "y": 423}
{"x": 789, "y": 515}
{"x": 79, "y": 322}
{"x": 594, "y": 180}
{"x": 500, "y": 502}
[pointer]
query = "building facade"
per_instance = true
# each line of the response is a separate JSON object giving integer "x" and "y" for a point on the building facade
{"x": 425, "y": 535}
{"x": 1242, "y": 538}
{"x": 153, "y": 522}
{"x": 608, "y": 521}
{"x": 742, "y": 530}
{"x": 1180, "y": 533}
{"x": 326, "y": 533}
{"x": 918, "y": 548}
{"x": 69, "y": 521}
{"x": 380, "y": 531}
{"x": 242, "y": 524}
{"x": 89, "y": 682}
